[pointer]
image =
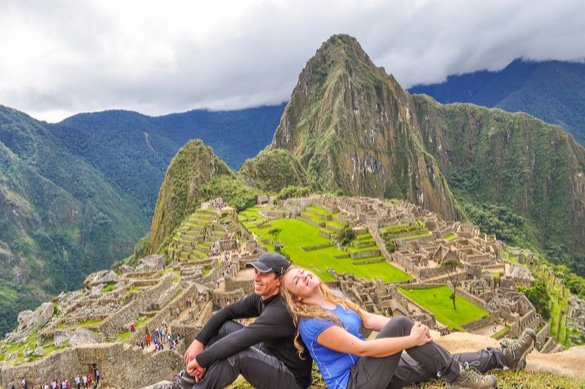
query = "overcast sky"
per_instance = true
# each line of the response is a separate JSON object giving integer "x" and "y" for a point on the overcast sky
{"x": 62, "y": 57}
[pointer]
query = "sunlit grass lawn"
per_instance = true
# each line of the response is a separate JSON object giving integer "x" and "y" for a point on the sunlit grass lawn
{"x": 437, "y": 301}
{"x": 296, "y": 233}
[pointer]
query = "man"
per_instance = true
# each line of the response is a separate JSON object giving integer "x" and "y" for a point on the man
{"x": 263, "y": 352}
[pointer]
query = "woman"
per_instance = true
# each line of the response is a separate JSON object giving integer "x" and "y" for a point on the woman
{"x": 330, "y": 327}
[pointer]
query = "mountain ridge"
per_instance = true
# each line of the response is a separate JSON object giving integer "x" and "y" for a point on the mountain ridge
{"x": 552, "y": 91}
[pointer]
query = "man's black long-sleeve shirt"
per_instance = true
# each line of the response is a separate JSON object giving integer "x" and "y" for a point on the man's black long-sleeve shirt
{"x": 273, "y": 328}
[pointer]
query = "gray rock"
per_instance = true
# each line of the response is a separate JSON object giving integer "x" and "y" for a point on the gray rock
{"x": 101, "y": 277}
{"x": 77, "y": 337}
{"x": 125, "y": 269}
{"x": 155, "y": 262}
{"x": 29, "y": 322}
{"x": 519, "y": 272}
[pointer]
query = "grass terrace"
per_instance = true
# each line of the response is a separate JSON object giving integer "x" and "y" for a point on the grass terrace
{"x": 438, "y": 301}
{"x": 307, "y": 248}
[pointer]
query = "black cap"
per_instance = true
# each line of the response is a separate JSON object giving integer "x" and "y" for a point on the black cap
{"x": 268, "y": 262}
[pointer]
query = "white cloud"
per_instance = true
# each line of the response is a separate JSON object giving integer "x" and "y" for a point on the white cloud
{"x": 64, "y": 56}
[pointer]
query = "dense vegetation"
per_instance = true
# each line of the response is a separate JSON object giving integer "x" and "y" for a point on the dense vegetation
{"x": 75, "y": 197}
{"x": 549, "y": 90}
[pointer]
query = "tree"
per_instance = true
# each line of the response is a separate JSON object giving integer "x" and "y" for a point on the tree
{"x": 451, "y": 265}
{"x": 275, "y": 232}
{"x": 345, "y": 235}
{"x": 538, "y": 295}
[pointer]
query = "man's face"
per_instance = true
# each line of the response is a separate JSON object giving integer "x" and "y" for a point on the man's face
{"x": 266, "y": 284}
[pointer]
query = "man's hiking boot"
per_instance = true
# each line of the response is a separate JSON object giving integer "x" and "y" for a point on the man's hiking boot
{"x": 469, "y": 378}
{"x": 181, "y": 381}
{"x": 516, "y": 351}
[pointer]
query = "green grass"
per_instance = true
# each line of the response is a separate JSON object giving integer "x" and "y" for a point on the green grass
{"x": 415, "y": 236}
{"x": 296, "y": 233}
{"x": 506, "y": 379}
{"x": 558, "y": 307}
{"x": 123, "y": 336}
{"x": 335, "y": 224}
{"x": 108, "y": 288}
{"x": 319, "y": 211}
{"x": 437, "y": 301}
{"x": 88, "y": 323}
{"x": 132, "y": 290}
{"x": 500, "y": 334}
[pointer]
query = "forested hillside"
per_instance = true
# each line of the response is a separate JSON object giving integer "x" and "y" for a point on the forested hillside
{"x": 553, "y": 91}
{"x": 77, "y": 196}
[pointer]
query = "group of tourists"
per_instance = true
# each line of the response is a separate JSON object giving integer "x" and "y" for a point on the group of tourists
{"x": 160, "y": 336}
{"x": 78, "y": 382}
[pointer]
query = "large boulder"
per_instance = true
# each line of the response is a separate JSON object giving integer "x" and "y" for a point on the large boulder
{"x": 77, "y": 337}
{"x": 29, "y": 322}
{"x": 519, "y": 272}
{"x": 155, "y": 262}
{"x": 103, "y": 277}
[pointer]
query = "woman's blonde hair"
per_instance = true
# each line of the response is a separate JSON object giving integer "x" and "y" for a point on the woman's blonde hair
{"x": 300, "y": 310}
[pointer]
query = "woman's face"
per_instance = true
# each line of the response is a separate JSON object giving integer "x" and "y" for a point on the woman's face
{"x": 300, "y": 282}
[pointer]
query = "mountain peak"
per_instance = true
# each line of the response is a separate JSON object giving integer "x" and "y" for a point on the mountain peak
{"x": 349, "y": 124}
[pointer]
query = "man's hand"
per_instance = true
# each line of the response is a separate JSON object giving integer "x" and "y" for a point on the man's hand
{"x": 194, "y": 349}
{"x": 195, "y": 371}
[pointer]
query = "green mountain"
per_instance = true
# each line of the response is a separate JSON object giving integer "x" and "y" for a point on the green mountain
{"x": 76, "y": 196}
{"x": 133, "y": 151}
{"x": 553, "y": 91}
{"x": 195, "y": 175}
{"x": 351, "y": 127}
{"x": 59, "y": 218}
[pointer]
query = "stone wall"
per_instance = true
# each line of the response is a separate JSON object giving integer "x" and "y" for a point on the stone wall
{"x": 483, "y": 322}
{"x": 119, "y": 322}
{"x": 165, "y": 314}
{"x": 235, "y": 283}
{"x": 474, "y": 299}
{"x": 120, "y": 366}
{"x": 365, "y": 254}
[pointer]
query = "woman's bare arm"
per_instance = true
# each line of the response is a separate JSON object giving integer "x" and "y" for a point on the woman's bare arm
{"x": 338, "y": 339}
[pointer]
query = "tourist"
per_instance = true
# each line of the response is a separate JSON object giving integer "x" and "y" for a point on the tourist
{"x": 330, "y": 324}
{"x": 262, "y": 352}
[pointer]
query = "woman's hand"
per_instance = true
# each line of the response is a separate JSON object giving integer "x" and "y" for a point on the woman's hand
{"x": 420, "y": 334}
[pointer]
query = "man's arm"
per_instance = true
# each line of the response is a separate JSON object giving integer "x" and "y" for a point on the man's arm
{"x": 243, "y": 308}
{"x": 274, "y": 323}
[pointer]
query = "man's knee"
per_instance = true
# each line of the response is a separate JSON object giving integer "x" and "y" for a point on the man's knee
{"x": 238, "y": 360}
{"x": 228, "y": 327}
